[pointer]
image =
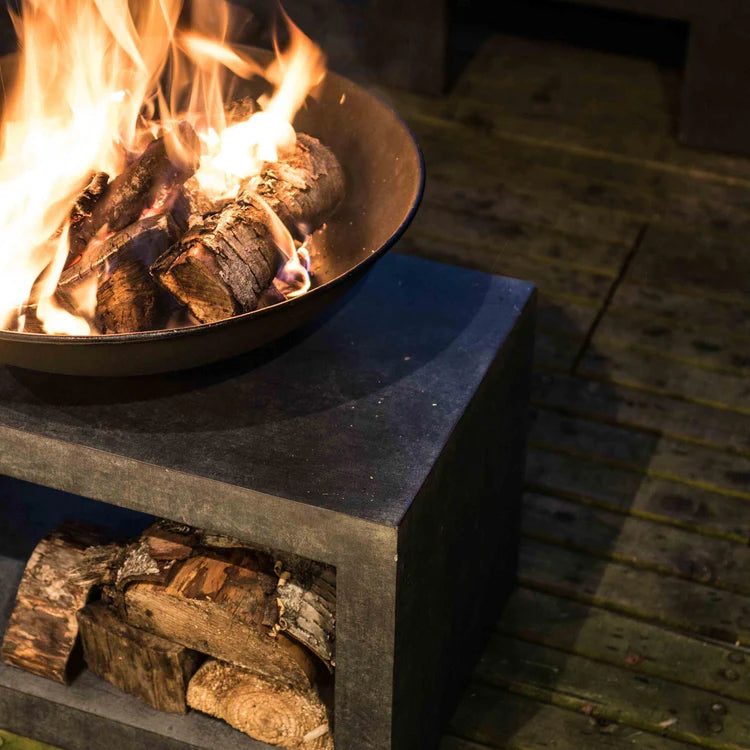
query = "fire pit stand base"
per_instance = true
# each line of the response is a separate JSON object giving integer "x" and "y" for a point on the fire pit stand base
{"x": 387, "y": 440}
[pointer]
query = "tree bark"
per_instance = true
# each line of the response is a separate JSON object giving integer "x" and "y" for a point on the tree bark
{"x": 306, "y": 596}
{"x": 139, "y": 663}
{"x": 225, "y": 263}
{"x": 264, "y": 705}
{"x": 61, "y": 573}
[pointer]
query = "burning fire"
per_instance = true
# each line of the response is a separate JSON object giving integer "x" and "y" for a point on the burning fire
{"x": 90, "y": 82}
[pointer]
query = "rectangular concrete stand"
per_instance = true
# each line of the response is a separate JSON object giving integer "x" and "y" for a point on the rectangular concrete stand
{"x": 387, "y": 440}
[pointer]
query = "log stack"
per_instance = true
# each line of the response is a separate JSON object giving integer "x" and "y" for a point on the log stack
{"x": 183, "y": 619}
{"x": 164, "y": 254}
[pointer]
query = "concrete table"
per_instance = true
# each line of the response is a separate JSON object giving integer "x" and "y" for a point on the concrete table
{"x": 387, "y": 440}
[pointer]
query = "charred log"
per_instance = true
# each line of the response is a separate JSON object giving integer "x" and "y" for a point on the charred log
{"x": 265, "y": 705}
{"x": 57, "y": 582}
{"x": 141, "y": 664}
{"x": 151, "y": 181}
{"x": 303, "y": 188}
{"x": 225, "y": 264}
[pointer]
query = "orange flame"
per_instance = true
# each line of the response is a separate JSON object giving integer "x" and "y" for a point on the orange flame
{"x": 84, "y": 98}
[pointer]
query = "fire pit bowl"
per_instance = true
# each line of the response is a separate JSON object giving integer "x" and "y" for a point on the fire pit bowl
{"x": 385, "y": 180}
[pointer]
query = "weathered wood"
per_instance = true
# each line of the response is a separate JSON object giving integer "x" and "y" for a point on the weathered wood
{"x": 626, "y": 491}
{"x": 150, "y": 182}
{"x": 622, "y": 641}
{"x": 616, "y": 694}
{"x": 306, "y": 595}
{"x": 223, "y": 605}
{"x": 498, "y": 719}
{"x": 640, "y": 410}
{"x": 266, "y": 706}
{"x": 659, "y": 457}
{"x": 608, "y": 362}
{"x": 683, "y": 605}
{"x": 224, "y": 265}
{"x": 139, "y": 663}
{"x": 59, "y": 577}
{"x": 717, "y": 562}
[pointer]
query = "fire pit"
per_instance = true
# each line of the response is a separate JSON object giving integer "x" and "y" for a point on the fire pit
{"x": 384, "y": 177}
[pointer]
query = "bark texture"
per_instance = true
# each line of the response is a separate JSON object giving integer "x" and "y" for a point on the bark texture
{"x": 141, "y": 664}
{"x": 58, "y": 580}
{"x": 263, "y": 705}
{"x": 226, "y": 262}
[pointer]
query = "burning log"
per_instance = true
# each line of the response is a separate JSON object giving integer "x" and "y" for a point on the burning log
{"x": 222, "y": 605}
{"x": 128, "y": 299}
{"x": 224, "y": 265}
{"x": 151, "y": 181}
{"x": 268, "y": 706}
{"x": 141, "y": 664}
{"x": 57, "y": 582}
{"x": 89, "y": 197}
{"x": 303, "y": 188}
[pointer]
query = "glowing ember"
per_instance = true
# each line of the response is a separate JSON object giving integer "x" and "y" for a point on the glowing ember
{"x": 84, "y": 101}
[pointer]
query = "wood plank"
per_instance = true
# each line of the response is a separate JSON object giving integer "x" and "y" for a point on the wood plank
{"x": 666, "y": 306}
{"x": 616, "y": 694}
{"x": 635, "y": 541}
{"x": 555, "y": 279}
{"x": 628, "y": 492}
{"x": 687, "y": 344}
{"x": 683, "y": 605}
{"x": 656, "y": 456}
{"x": 608, "y": 362}
{"x": 495, "y": 718}
{"x": 707, "y": 265}
{"x": 626, "y": 642}
{"x": 458, "y": 221}
{"x": 641, "y": 410}
{"x": 567, "y": 98}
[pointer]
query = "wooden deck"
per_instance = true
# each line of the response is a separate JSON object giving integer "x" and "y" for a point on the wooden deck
{"x": 631, "y": 624}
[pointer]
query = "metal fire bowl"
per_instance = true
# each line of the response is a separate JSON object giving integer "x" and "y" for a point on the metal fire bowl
{"x": 385, "y": 180}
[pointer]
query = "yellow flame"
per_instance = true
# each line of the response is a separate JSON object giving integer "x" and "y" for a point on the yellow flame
{"x": 84, "y": 99}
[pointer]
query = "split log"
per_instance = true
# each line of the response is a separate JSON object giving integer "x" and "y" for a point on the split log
{"x": 223, "y": 605}
{"x": 89, "y": 197}
{"x": 141, "y": 664}
{"x": 59, "y": 578}
{"x": 306, "y": 596}
{"x": 225, "y": 264}
{"x": 151, "y": 181}
{"x": 263, "y": 705}
{"x": 305, "y": 593}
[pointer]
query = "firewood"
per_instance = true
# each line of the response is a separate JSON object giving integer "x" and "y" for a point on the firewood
{"x": 152, "y": 180}
{"x": 306, "y": 595}
{"x": 302, "y": 188}
{"x": 139, "y": 663}
{"x": 223, "y": 605}
{"x": 60, "y": 575}
{"x": 264, "y": 705}
{"x": 89, "y": 197}
{"x": 225, "y": 263}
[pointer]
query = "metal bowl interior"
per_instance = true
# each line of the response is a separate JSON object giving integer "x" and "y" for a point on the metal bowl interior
{"x": 385, "y": 180}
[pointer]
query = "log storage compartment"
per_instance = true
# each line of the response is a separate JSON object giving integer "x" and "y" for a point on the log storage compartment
{"x": 385, "y": 443}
